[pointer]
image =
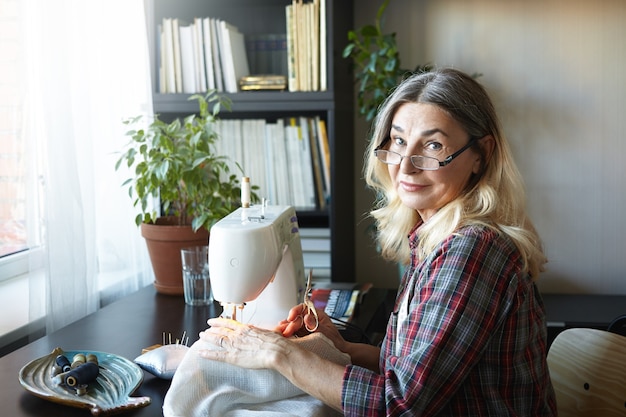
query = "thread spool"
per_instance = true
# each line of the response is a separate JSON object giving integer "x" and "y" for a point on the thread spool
{"x": 245, "y": 192}
{"x": 81, "y": 389}
{"x": 78, "y": 360}
{"x": 92, "y": 358}
{"x": 63, "y": 363}
{"x": 82, "y": 375}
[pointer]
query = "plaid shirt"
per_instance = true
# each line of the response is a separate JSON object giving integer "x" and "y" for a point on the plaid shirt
{"x": 467, "y": 338}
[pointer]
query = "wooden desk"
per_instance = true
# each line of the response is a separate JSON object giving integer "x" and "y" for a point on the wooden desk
{"x": 139, "y": 320}
{"x": 124, "y": 328}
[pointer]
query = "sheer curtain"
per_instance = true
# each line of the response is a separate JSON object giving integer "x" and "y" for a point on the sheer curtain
{"x": 86, "y": 69}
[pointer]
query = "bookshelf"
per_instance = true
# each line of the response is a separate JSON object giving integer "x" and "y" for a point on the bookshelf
{"x": 334, "y": 105}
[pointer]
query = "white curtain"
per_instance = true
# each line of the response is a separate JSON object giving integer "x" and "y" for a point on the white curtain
{"x": 86, "y": 69}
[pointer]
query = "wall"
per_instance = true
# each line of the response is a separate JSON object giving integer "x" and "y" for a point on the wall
{"x": 556, "y": 70}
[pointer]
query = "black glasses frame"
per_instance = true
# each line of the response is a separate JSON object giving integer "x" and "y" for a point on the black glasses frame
{"x": 443, "y": 163}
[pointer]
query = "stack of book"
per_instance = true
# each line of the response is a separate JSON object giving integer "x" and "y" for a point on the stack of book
{"x": 267, "y": 53}
{"x": 339, "y": 301}
{"x": 306, "y": 45}
{"x": 204, "y": 55}
{"x": 210, "y": 53}
{"x": 289, "y": 160}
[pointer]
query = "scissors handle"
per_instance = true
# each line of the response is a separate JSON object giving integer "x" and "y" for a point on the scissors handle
{"x": 309, "y": 304}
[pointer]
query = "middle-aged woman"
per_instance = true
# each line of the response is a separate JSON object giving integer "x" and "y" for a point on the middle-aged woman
{"x": 467, "y": 336}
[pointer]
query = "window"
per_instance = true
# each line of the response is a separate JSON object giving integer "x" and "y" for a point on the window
{"x": 19, "y": 249}
{"x": 13, "y": 152}
{"x": 67, "y": 233}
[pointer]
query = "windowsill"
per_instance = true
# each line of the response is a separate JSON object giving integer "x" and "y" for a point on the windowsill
{"x": 17, "y": 327}
{"x": 16, "y": 324}
{"x": 15, "y": 298}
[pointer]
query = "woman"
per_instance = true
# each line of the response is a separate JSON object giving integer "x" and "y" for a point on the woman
{"x": 468, "y": 334}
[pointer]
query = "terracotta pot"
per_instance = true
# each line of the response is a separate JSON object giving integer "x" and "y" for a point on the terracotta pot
{"x": 165, "y": 239}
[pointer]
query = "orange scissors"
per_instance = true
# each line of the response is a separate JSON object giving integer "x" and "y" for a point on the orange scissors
{"x": 309, "y": 304}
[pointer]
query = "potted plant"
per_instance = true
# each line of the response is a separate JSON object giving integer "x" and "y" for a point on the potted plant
{"x": 176, "y": 164}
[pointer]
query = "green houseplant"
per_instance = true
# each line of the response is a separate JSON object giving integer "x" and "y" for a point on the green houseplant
{"x": 377, "y": 64}
{"x": 175, "y": 163}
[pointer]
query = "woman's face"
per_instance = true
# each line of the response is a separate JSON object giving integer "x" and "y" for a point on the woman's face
{"x": 425, "y": 129}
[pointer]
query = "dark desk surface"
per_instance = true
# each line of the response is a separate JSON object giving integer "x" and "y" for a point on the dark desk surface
{"x": 124, "y": 328}
{"x": 583, "y": 310}
{"x": 139, "y": 320}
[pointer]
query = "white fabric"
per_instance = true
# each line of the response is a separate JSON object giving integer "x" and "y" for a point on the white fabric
{"x": 86, "y": 68}
{"x": 202, "y": 388}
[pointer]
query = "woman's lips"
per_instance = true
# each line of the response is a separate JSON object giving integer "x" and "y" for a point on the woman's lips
{"x": 407, "y": 186}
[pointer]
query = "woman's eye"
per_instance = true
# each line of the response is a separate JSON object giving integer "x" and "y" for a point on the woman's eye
{"x": 433, "y": 147}
{"x": 397, "y": 143}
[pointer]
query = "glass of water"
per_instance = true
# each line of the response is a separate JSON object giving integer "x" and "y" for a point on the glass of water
{"x": 196, "y": 281}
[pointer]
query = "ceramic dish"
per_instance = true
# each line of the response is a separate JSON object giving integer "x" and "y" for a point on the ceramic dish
{"x": 110, "y": 393}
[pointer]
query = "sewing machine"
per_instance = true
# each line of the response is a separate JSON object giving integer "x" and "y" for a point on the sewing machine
{"x": 255, "y": 264}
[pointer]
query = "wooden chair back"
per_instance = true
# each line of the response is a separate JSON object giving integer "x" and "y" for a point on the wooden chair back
{"x": 588, "y": 372}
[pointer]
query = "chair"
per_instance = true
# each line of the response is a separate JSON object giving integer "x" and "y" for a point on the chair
{"x": 588, "y": 372}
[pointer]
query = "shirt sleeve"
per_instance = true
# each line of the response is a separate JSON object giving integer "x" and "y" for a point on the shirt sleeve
{"x": 457, "y": 297}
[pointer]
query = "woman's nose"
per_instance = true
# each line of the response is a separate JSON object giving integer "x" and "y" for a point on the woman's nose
{"x": 406, "y": 165}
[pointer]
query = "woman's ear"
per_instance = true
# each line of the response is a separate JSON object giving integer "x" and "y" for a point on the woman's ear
{"x": 487, "y": 145}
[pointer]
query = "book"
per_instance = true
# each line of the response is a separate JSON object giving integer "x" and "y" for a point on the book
{"x": 198, "y": 50}
{"x": 208, "y": 53}
{"x": 217, "y": 60}
{"x": 316, "y": 164}
{"x": 306, "y": 44}
{"x": 322, "y": 39}
{"x": 339, "y": 303}
{"x": 167, "y": 58}
{"x": 262, "y": 82}
{"x": 161, "y": 60}
{"x": 261, "y": 161}
{"x": 187, "y": 60}
{"x": 253, "y": 130}
{"x": 178, "y": 74}
{"x": 296, "y": 195}
{"x": 292, "y": 67}
{"x": 301, "y": 45}
{"x": 270, "y": 192}
{"x": 240, "y": 59}
{"x": 267, "y": 54}
{"x": 324, "y": 149}
{"x": 306, "y": 155}
{"x": 278, "y": 53}
{"x": 233, "y": 54}
{"x": 315, "y": 45}
{"x": 280, "y": 165}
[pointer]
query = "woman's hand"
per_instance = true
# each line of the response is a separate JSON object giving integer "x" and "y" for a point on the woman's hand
{"x": 254, "y": 348}
{"x": 300, "y": 318}
{"x": 243, "y": 345}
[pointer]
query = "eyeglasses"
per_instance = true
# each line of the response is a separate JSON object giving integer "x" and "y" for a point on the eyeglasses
{"x": 425, "y": 163}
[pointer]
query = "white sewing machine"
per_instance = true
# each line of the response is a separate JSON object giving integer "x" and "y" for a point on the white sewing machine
{"x": 255, "y": 264}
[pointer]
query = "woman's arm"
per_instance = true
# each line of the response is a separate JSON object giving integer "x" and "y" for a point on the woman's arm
{"x": 363, "y": 355}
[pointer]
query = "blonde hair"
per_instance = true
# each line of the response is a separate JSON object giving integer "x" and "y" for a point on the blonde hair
{"x": 494, "y": 198}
